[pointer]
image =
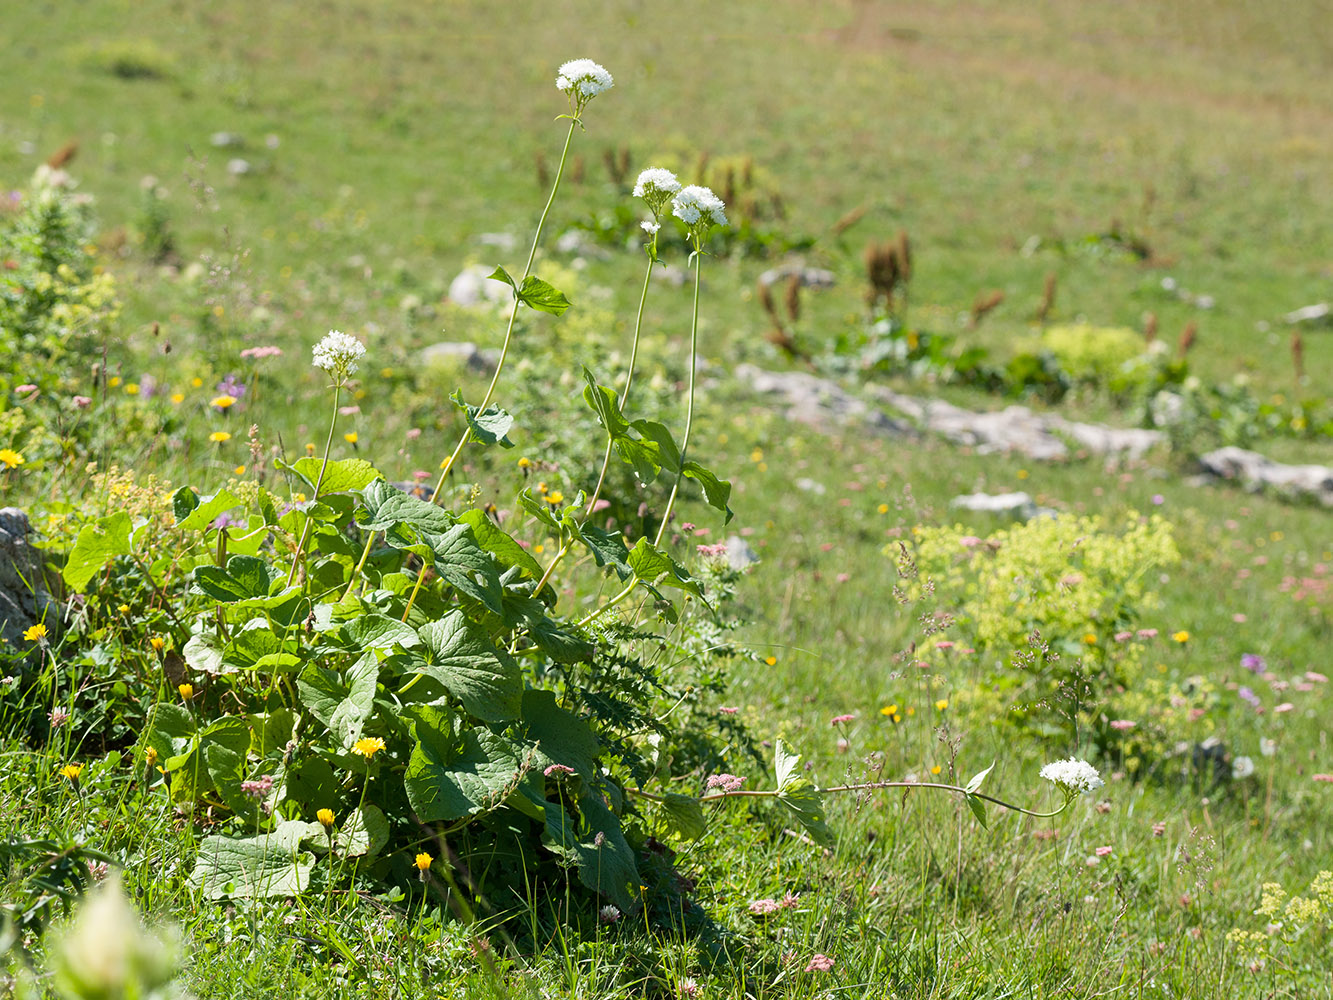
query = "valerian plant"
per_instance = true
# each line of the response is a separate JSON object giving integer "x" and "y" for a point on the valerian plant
{"x": 361, "y": 678}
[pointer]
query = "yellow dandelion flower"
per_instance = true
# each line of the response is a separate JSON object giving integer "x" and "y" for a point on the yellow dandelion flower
{"x": 36, "y": 633}
{"x": 1181, "y": 636}
{"x": 423, "y": 861}
{"x": 325, "y": 817}
{"x": 556, "y": 498}
{"x": 889, "y": 710}
{"x": 157, "y": 642}
{"x": 935, "y": 770}
{"x": 219, "y": 311}
{"x": 10, "y": 458}
{"x": 124, "y": 609}
{"x": 71, "y": 771}
{"x": 239, "y": 470}
{"x": 114, "y": 381}
{"x": 1090, "y": 638}
{"x": 196, "y": 382}
{"x": 218, "y": 437}
{"x": 309, "y": 448}
{"x": 524, "y": 463}
{"x": 178, "y": 398}
{"x": 539, "y": 549}
{"x": 772, "y": 661}
{"x": 222, "y": 402}
{"x": 350, "y": 437}
{"x": 150, "y": 756}
{"x": 368, "y": 746}
{"x": 910, "y": 711}
{"x": 883, "y": 508}
{"x": 186, "y": 691}
{"x": 942, "y": 704}
{"x": 132, "y": 389}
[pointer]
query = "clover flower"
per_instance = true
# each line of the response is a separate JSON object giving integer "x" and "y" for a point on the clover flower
{"x": 581, "y": 80}
{"x": 656, "y": 185}
{"x": 57, "y": 717}
{"x": 1073, "y": 776}
{"x": 338, "y": 354}
{"x": 258, "y": 787}
{"x": 608, "y": 914}
{"x": 820, "y": 963}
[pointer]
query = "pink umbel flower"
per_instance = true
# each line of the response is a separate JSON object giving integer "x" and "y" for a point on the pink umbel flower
{"x": 726, "y": 782}
{"x": 820, "y": 963}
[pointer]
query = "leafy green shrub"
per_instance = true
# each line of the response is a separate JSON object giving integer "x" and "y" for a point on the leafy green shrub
{"x": 1050, "y": 605}
{"x": 1092, "y": 353}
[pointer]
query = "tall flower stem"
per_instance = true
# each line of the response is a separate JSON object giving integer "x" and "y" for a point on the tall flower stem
{"x": 624, "y": 398}
{"x": 448, "y": 463}
{"x": 299, "y": 558}
{"x": 689, "y": 406}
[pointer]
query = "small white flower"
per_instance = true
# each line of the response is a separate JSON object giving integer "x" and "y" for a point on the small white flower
{"x": 1267, "y": 747}
{"x": 582, "y": 80}
{"x": 656, "y": 185}
{"x": 609, "y": 914}
{"x": 698, "y": 208}
{"x": 650, "y": 227}
{"x": 338, "y": 354}
{"x": 1073, "y": 776}
{"x": 1242, "y": 767}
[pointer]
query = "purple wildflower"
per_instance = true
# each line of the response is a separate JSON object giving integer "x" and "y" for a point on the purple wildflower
{"x": 1248, "y": 696}
{"x": 230, "y": 387}
{"x": 726, "y": 782}
{"x": 1254, "y": 662}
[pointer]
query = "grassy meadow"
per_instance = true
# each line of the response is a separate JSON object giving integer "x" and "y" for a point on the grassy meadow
{"x": 263, "y": 173}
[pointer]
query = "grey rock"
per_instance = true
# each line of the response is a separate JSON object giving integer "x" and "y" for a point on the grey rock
{"x": 811, "y": 277}
{"x": 1258, "y": 472}
{"x": 463, "y": 353}
{"x": 501, "y": 241}
{"x": 739, "y": 553}
{"x": 819, "y": 402}
{"x": 1018, "y": 505}
{"x": 1318, "y": 313}
{"x": 473, "y": 287}
{"x": 24, "y": 596}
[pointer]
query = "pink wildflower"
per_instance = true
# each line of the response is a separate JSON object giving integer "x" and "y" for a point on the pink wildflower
{"x": 820, "y": 963}
{"x": 1323, "y": 777}
{"x": 726, "y": 782}
{"x": 1102, "y": 852}
{"x": 728, "y": 710}
{"x": 838, "y": 720}
{"x": 255, "y": 353}
{"x": 1123, "y": 725}
{"x": 559, "y": 770}
{"x": 82, "y": 402}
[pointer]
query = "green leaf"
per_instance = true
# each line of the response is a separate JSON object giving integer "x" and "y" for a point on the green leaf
{"x": 684, "y": 814}
{"x": 607, "y": 548}
{"x": 97, "y": 544}
{"x": 489, "y": 426}
{"x": 244, "y": 578}
{"x": 500, "y": 274}
{"x": 467, "y": 567}
{"x": 205, "y": 510}
{"x": 463, "y": 658}
{"x": 500, "y": 544}
{"x": 384, "y": 506}
{"x": 341, "y": 476}
{"x": 202, "y": 654}
{"x": 183, "y": 501}
{"x": 559, "y": 643}
{"x": 364, "y": 832}
{"x": 255, "y": 867}
{"x": 978, "y": 810}
{"x": 448, "y": 783}
{"x": 375, "y": 631}
{"x": 561, "y": 736}
{"x": 543, "y": 296}
{"x": 716, "y": 491}
{"x": 342, "y": 702}
{"x": 978, "y": 778}
{"x": 605, "y": 404}
{"x": 663, "y": 444}
{"x": 799, "y": 795}
{"x": 653, "y": 565}
{"x": 608, "y": 867}
{"x": 644, "y": 456}
{"x": 171, "y": 732}
{"x": 538, "y": 509}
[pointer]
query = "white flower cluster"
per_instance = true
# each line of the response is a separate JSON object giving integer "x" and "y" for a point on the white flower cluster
{"x": 656, "y": 185}
{"x": 583, "y": 80}
{"x": 338, "y": 354}
{"x": 1073, "y": 776}
{"x": 699, "y": 208}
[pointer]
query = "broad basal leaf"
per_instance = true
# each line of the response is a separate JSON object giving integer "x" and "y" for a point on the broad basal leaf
{"x": 255, "y": 867}
{"x": 384, "y": 506}
{"x": 444, "y": 782}
{"x": 343, "y": 702}
{"x": 464, "y": 659}
{"x": 97, "y": 544}
{"x": 341, "y": 475}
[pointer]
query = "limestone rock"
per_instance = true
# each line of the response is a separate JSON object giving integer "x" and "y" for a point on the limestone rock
{"x": 1258, "y": 472}
{"x": 24, "y": 598}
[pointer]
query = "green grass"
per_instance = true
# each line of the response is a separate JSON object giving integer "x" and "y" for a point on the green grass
{"x": 406, "y": 132}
